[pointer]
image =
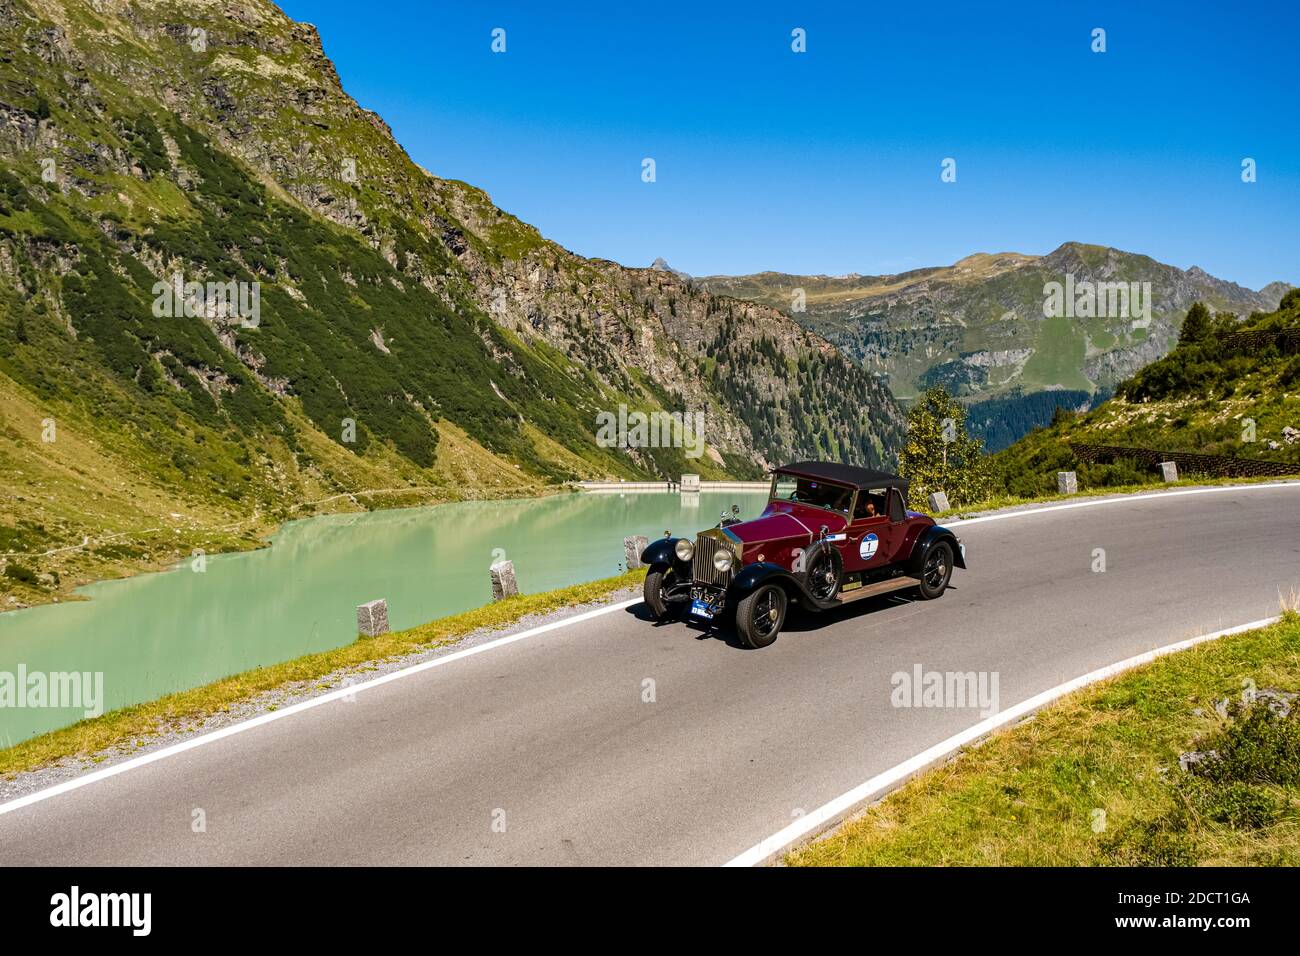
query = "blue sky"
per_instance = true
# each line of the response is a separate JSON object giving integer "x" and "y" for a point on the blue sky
{"x": 829, "y": 161}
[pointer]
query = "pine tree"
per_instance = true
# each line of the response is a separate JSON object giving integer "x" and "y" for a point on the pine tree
{"x": 1196, "y": 327}
{"x": 940, "y": 455}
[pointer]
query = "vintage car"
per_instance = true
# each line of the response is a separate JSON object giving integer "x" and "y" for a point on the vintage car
{"x": 830, "y": 534}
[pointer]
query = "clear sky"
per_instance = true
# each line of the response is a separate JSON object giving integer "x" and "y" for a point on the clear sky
{"x": 829, "y": 161}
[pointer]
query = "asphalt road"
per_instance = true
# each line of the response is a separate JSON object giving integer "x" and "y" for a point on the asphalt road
{"x": 550, "y": 740}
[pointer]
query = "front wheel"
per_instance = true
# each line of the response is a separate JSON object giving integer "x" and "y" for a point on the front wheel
{"x": 659, "y": 579}
{"x": 936, "y": 569}
{"x": 759, "y": 617}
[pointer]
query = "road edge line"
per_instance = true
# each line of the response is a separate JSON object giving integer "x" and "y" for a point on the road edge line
{"x": 818, "y": 821}
{"x": 1118, "y": 499}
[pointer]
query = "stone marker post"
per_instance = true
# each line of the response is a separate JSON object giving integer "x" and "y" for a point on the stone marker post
{"x": 372, "y": 618}
{"x": 1169, "y": 470}
{"x": 1067, "y": 482}
{"x": 938, "y": 501}
{"x": 633, "y": 545}
{"x": 504, "y": 584}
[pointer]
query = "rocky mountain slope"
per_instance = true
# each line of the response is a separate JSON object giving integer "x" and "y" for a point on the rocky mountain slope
{"x": 1233, "y": 390}
{"x": 356, "y": 330}
{"x": 979, "y": 326}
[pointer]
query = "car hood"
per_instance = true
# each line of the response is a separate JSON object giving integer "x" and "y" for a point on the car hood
{"x": 776, "y": 525}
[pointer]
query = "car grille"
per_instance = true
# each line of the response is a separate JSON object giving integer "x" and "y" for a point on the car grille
{"x": 706, "y": 546}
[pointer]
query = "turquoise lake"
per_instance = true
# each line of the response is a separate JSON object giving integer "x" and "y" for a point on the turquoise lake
{"x": 156, "y": 633}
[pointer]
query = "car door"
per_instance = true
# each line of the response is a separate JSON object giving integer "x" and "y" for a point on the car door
{"x": 870, "y": 541}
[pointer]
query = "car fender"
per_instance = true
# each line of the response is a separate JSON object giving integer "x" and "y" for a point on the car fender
{"x": 662, "y": 551}
{"x": 751, "y": 576}
{"x": 933, "y": 535}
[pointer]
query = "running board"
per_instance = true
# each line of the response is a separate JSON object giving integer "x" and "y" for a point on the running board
{"x": 880, "y": 587}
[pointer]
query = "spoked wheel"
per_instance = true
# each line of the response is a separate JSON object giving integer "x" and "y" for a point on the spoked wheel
{"x": 823, "y": 572}
{"x": 759, "y": 617}
{"x": 660, "y": 580}
{"x": 936, "y": 570}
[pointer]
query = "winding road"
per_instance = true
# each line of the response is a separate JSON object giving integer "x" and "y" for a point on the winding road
{"x": 610, "y": 740}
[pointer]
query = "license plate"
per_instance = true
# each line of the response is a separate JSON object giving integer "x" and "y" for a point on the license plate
{"x": 701, "y": 609}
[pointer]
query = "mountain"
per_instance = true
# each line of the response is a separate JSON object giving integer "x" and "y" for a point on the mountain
{"x": 1233, "y": 390}
{"x": 228, "y": 296}
{"x": 979, "y": 327}
{"x": 661, "y": 265}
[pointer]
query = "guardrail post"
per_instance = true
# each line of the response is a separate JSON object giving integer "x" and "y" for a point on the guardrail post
{"x": 633, "y": 545}
{"x": 1169, "y": 470}
{"x": 1067, "y": 483}
{"x": 504, "y": 584}
{"x": 938, "y": 501}
{"x": 372, "y": 618}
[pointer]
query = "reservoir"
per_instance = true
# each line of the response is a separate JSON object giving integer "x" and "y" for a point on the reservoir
{"x": 153, "y": 634}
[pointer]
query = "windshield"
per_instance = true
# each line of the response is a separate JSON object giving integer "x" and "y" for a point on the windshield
{"x": 810, "y": 491}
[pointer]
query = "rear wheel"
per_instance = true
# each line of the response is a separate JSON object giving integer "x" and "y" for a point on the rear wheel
{"x": 936, "y": 569}
{"x": 658, "y": 580}
{"x": 759, "y": 617}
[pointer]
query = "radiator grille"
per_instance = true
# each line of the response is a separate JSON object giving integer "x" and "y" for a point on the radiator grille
{"x": 706, "y": 546}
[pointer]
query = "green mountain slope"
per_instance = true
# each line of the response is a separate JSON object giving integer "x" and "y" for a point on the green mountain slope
{"x": 1220, "y": 394}
{"x": 411, "y": 341}
{"x": 978, "y": 327}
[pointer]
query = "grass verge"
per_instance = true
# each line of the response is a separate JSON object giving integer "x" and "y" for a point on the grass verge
{"x": 132, "y": 724}
{"x": 1095, "y": 779}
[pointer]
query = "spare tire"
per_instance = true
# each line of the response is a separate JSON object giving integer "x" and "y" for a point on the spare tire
{"x": 823, "y": 571}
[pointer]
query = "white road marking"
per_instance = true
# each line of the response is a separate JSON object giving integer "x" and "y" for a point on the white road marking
{"x": 254, "y": 722}
{"x": 178, "y": 748}
{"x": 882, "y": 783}
{"x": 1120, "y": 500}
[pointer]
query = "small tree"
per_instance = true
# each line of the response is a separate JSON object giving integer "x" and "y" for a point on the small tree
{"x": 940, "y": 456}
{"x": 1196, "y": 327}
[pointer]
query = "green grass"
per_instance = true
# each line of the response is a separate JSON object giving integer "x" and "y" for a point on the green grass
{"x": 130, "y": 726}
{"x": 1094, "y": 779}
{"x": 1058, "y": 356}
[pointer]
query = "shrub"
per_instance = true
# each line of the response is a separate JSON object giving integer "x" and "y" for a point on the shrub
{"x": 1260, "y": 746}
{"x": 1164, "y": 841}
{"x": 1241, "y": 806}
{"x": 21, "y": 574}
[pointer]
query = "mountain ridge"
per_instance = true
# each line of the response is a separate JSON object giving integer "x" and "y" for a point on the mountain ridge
{"x": 977, "y": 326}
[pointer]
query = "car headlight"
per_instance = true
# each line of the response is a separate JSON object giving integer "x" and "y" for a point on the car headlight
{"x": 723, "y": 559}
{"x": 684, "y": 549}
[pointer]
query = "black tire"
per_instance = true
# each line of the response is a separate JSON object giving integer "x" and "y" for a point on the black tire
{"x": 936, "y": 570}
{"x": 823, "y": 571}
{"x": 652, "y": 590}
{"x": 760, "y": 616}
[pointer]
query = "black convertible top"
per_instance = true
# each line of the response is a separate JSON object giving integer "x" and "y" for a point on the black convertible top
{"x": 833, "y": 471}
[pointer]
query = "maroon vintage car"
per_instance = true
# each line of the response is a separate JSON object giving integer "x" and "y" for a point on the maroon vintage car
{"x": 830, "y": 534}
